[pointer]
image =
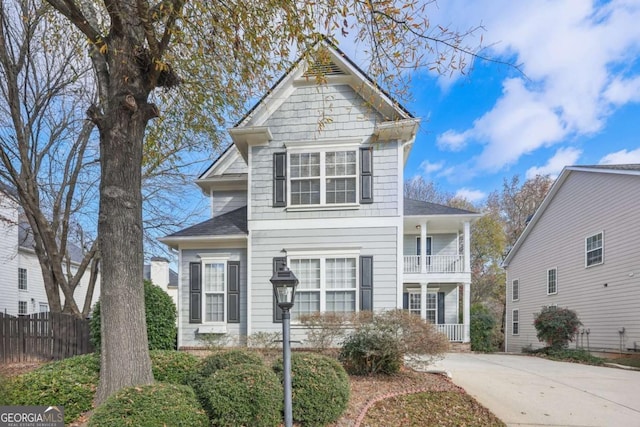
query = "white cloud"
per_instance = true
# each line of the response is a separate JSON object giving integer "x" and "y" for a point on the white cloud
{"x": 428, "y": 168}
{"x": 452, "y": 140}
{"x": 563, "y": 157}
{"x": 471, "y": 195}
{"x": 621, "y": 157}
{"x": 580, "y": 62}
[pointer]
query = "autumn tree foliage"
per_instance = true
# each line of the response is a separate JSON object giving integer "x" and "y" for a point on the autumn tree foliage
{"x": 190, "y": 65}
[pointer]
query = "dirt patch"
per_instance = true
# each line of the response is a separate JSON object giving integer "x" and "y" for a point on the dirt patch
{"x": 13, "y": 369}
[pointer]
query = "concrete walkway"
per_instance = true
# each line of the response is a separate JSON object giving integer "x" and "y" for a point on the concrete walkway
{"x": 531, "y": 391}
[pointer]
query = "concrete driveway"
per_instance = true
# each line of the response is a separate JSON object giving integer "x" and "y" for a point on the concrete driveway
{"x": 530, "y": 391}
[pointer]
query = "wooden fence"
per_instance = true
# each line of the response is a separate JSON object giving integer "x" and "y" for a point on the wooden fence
{"x": 42, "y": 336}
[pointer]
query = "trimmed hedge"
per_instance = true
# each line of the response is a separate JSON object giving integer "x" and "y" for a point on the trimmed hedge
{"x": 242, "y": 395}
{"x": 369, "y": 351}
{"x": 151, "y": 405}
{"x": 160, "y": 312}
{"x": 70, "y": 383}
{"x": 226, "y": 358}
{"x": 176, "y": 367}
{"x": 320, "y": 388}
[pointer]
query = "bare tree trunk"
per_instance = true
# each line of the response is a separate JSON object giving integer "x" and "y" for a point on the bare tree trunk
{"x": 95, "y": 268}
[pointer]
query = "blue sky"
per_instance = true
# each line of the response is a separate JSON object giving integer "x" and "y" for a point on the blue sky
{"x": 578, "y": 101}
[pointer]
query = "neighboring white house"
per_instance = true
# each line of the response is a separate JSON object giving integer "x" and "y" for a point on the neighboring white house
{"x": 581, "y": 250}
{"x": 314, "y": 180}
{"x": 160, "y": 274}
{"x": 21, "y": 283}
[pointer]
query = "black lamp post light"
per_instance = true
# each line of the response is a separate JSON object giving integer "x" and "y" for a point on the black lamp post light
{"x": 284, "y": 287}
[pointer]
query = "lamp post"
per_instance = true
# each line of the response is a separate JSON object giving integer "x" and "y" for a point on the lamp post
{"x": 284, "y": 287}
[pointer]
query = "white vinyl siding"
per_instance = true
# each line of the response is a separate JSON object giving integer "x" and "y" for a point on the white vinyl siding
{"x": 552, "y": 281}
{"x": 594, "y": 250}
{"x": 325, "y": 285}
{"x": 22, "y": 279}
{"x": 515, "y": 322}
{"x": 214, "y": 288}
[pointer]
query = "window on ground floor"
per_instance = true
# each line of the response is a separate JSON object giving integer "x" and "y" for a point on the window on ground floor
{"x": 326, "y": 284}
{"x": 415, "y": 304}
{"x": 515, "y": 322}
{"x": 432, "y": 307}
{"x": 213, "y": 281}
{"x": 22, "y": 307}
{"x": 552, "y": 281}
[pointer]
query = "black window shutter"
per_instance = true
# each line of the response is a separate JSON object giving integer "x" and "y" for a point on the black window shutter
{"x": 440, "y": 308}
{"x": 366, "y": 175}
{"x": 278, "y": 264}
{"x": 366, "y": 283}
{"x": 279, "y": 179}
{"x": 405, "y": 301}
{"x": 233, "y": 291}
{"x": 195, "y": 293}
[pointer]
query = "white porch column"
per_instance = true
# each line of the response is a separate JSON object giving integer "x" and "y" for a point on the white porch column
{"x": 466, "y": 313}
{"x": 467, "y": 247}
{"x": 423, "y": 301}
{"x": 423, "y": 248}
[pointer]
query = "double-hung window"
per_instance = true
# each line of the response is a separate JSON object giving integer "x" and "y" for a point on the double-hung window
{"x": 515, "y": 290}
{"x": 594, "y": 249}
{"x": 515, "y": 322}
{"x": 552, "y": 281}
{"x": 415, "y": 303}
{"x": 22, "y": 307}
{"x": 326, "y": 284}
{"x": 323, "y": 178}
{"x": 22, "y": 279}
{"x": 432, "y": 307}
{"x": 214, "y": 288}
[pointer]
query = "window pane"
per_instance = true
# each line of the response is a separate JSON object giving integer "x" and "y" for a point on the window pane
{"x": 308, "y": 273}
{"x": 214, "y": 308}
{"x": 22, "y": 279}
{"x": 341, "y": 190}
{"x": 306, "y": 302}
{"x": 340, "y": 163}
{"x": 414, "y": 302}
{"x": 305, "y": 165}
{"x": 214, "y": 277}
{"x": 341, "y": 273}
{"x": 305, "y": 192}
{"x": 341, "y": 301}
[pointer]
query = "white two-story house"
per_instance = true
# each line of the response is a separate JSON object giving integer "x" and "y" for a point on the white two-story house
{"x": 314, "y": 180}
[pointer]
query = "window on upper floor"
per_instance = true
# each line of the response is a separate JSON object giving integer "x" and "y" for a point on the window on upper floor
{"x": 594, "y": 249}
{"x": 326, "y": 284}
{"x": 22, "y": 279}
{"x": 22, "y": 308}
{"x": 515, "y": 322}
{"x": 515, "y": 290}
{"x": 323, "y": 176}
{"x": 552, "y": 281}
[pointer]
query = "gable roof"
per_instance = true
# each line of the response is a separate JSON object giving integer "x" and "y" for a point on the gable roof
{"x": 622, "y": 169}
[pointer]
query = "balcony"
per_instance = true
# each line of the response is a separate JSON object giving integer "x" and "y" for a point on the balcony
{"x": 435, "y": 264}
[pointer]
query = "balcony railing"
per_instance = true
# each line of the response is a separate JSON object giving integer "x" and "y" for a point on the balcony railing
{"x": 434, "y": 264}
{"x": 455, "y": 332}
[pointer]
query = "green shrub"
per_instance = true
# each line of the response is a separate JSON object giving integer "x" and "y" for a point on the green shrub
{"x": 151, "y": 405}
{"x": 482, "y": 329}
{"x": 226, "y": 358}
{"x": 368, "y": 351}
{"x": 242, "y": 395}
{"x": 567, "y": 355}
{"x": 176, "y": 367}
{"x": 160, "y": 312}
{"x": 556, "y": 326}
{"x": 320, "y": 388}
{"x": 70, "y": 383}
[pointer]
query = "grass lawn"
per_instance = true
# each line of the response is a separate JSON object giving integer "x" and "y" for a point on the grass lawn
{"x": 627, "y": 361}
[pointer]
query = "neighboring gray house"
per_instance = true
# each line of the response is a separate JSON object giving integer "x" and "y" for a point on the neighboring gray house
{"x": 314, "y": 179}
{"x": 581, "y": 250}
